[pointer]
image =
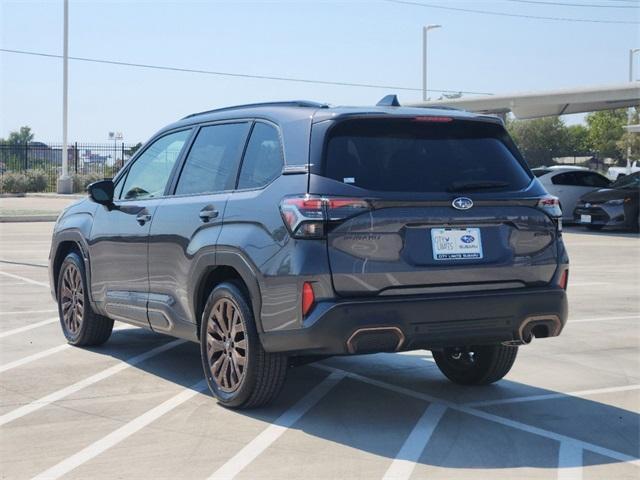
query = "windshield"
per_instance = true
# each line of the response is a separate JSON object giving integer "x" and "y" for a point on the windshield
{"x": 628, "y": 181}
{"x": 416, "y": 155}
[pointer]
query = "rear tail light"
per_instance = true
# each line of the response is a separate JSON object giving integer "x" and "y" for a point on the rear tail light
{"x": 564, "y": 279}
{"x": 551, "y": 206}
{"x": 309, "y": 216}
{"x": 308, "y": 298}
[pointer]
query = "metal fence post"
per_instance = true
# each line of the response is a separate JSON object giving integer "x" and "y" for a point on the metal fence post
{"x": 75, "y": 155}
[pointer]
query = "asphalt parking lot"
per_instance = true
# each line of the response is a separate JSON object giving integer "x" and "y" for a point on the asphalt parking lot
{"x": 136, "y": 407}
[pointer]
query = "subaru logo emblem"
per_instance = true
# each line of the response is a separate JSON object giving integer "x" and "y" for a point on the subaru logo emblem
{"x": 467, "y": 238}
{"x": 462, "y": 203}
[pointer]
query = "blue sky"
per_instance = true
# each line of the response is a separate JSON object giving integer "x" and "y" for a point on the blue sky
{"x": 353, "y": 41}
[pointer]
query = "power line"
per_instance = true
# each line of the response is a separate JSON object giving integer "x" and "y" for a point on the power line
{"x": 234, "y": 74}
{"x": 503, "y": 14}
{"x": 563, "y": 4}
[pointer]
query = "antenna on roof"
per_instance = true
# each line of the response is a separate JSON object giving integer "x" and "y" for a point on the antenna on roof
{"x": 389, "y": 101}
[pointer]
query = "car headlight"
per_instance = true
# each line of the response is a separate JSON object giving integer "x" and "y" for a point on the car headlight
{"x": 619, "y": 201}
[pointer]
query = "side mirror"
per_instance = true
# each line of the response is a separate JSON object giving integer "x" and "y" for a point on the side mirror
{"x": 102, "y": 192}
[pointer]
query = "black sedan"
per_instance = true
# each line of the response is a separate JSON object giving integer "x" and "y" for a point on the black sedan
{"x": 616, "y": 206}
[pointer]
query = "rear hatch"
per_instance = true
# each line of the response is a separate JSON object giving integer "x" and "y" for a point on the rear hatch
{"x": 438, "y": 204}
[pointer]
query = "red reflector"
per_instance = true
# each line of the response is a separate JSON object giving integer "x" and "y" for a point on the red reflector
{"x": 564, "y": 279}
{"x": 308, "y": 298}
{"x": 433, "y": 119}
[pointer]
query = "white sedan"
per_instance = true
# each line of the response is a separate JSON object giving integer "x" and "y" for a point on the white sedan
{"x": 569, "y": 184}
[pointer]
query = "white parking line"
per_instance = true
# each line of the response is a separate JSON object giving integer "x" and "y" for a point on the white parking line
{"x": 551, "y": 396}
{"x": 27, "y": 312}
{"x": 65, "y": 392}
{"x": 28, "y": 327}
{"x": 622, "y": 457}
{"x": 24, "y": 279}
{"x": 33, "y": 358}
{"x": 121, "y": 433}
{"x": 405, "y": 462}
{"x": 569, "y": 462}
{"x": 603, "y": 319}
{"x": 260, "y": 443}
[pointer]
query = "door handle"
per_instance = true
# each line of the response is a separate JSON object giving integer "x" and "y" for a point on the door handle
{"x": 208, "y": 212}
{"x": 143, "y": 218}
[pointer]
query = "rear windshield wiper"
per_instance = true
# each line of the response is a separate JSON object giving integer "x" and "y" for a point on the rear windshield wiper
{"x": 465, "y": 186}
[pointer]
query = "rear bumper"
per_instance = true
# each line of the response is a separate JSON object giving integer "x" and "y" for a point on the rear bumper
{"x": 434, "y": 321}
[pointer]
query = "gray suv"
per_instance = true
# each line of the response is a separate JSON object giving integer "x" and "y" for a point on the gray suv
{"x": 280, "y": 233}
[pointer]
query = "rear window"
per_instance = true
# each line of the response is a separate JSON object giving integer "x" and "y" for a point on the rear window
{"x": 538, "y": 172}
{"x": 413, "y": 155}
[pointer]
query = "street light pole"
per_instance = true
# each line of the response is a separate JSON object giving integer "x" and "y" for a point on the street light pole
{"x": 632, "y": 52}
{"x": 64, "y": 182}
{"x": 425, "y": 31}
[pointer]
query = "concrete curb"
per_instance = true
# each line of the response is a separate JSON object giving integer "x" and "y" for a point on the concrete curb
{"x": 29, "y": 218}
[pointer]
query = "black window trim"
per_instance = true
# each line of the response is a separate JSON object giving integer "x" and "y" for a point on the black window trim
{"x": 244, "y": 151}
{"x": 178, "y": 172}
{"x": 124, "y": 173}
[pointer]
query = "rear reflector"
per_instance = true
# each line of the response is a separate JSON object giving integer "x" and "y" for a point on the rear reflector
{"x": 564, "y": 279}
{"x": 308, "y": 298}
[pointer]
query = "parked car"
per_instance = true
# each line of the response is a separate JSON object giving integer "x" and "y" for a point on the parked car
{"x": 285, "y": 232}
{"x": 615, "y": 173}
{"x": 616, "y": 206}
{"x": 569, "y": 183}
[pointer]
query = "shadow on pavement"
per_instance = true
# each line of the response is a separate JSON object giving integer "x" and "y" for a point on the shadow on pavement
{"x": 377, "y": 420}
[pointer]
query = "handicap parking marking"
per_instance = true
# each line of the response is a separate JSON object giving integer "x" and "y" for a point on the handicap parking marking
{"x": 117, "y": 436}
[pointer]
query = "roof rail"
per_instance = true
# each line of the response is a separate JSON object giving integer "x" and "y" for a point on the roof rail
{"x": 292, "y": 103}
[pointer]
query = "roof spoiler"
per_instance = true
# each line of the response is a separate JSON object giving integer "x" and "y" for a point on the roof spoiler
{"x": 389, "y": 101}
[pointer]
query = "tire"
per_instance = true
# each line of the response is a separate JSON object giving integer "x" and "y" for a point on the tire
{"x": 80, "y": 324}
{"x": 479, "y": 365}
{"x": 240, "y": 374}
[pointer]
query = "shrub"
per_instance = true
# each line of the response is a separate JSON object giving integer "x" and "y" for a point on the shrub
{"x": 81, "y": 180}
{"x": 13, "y": 182}
{"x": 37, "y": 180}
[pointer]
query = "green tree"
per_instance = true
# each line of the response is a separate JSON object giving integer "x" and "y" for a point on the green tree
{"x": 606, "y": 129}
{"x": 22, "y": 136}
{"x": 578, "y": 140}
{"x": 541, "y": 139}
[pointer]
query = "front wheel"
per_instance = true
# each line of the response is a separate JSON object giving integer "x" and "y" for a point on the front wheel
{"x": 240, "y": 374}
{"x": 478, "y": 365}
{"x": 80, "y": 324}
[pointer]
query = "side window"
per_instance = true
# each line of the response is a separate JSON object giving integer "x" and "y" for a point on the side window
{"x": 263, "y": 159}
{"x": 212, "y": 162}
{"x": 590, "y": 179}
{"x": 567, "y": 178}
{"x": 148, "y": 176}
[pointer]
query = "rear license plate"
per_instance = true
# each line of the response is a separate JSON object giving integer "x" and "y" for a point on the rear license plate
{"x": 456, "y": 243}
{"x": 585, "y": 218}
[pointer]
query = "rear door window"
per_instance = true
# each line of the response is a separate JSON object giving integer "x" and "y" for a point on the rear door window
{"x": 415, "y": 155}
{"x": 212, "y": 163}
{"x": 567, "y": 178}
{"x": 591, "y": 179}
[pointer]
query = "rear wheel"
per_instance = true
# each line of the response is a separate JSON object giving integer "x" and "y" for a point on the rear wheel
{"x": 239, "y": 372}
{"x": 478, "y": 365}
{"x": 80, "y": 324}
